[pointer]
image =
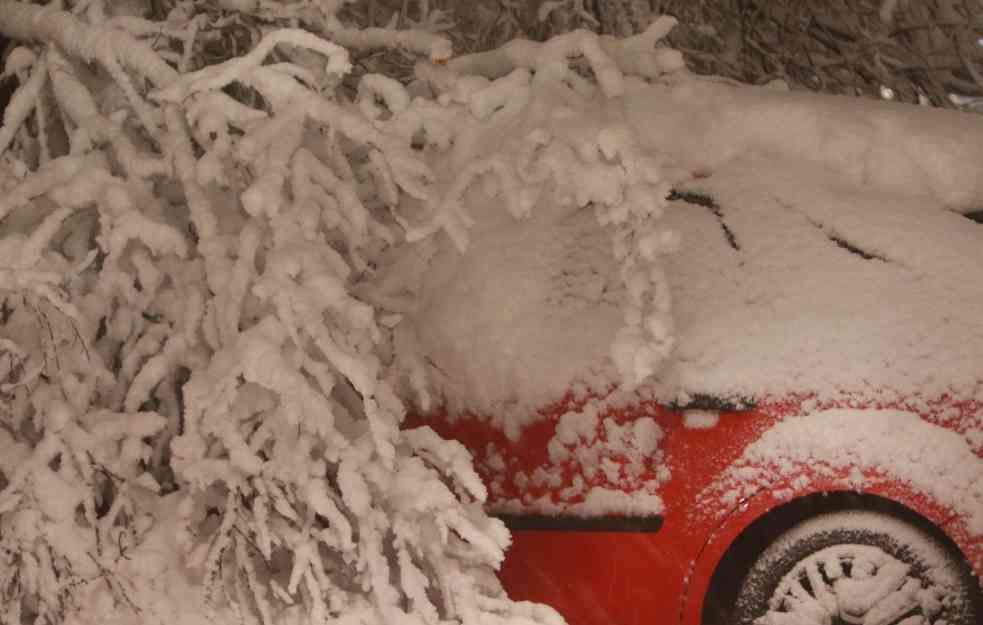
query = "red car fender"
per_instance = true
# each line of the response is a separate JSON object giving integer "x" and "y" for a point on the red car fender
{"x": 733, "y": 521}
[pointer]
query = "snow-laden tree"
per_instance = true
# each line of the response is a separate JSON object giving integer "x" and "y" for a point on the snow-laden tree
{"x": 199, "y": 420}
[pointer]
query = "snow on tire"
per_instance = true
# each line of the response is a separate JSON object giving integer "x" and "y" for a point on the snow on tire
{"x": 857, "y": 568}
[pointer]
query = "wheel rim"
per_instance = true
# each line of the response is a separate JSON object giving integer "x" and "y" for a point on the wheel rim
{"x": 853, "y": 585}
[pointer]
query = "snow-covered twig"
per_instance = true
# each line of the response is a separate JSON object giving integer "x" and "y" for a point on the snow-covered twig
{"x": 29, "y": 22}
{"x": 608, "y": 57}
{"x": 436, "y": 47}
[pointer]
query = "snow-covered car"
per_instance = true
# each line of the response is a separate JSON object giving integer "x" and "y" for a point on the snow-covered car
{"x": 810, "y": 451}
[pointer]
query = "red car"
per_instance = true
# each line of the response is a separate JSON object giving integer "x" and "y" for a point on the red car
{"x": 705, "y": 561}
{"x": 811, "y": 454}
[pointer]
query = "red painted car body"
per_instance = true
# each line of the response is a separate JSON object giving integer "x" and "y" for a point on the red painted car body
{"x": 597, "y": 577}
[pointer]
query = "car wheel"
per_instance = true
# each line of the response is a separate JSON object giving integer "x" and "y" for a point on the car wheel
{"x": 857, "y": 568}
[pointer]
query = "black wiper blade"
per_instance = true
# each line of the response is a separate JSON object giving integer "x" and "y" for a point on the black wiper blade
{"x": 976, "y": 216}
{"x": 701, "y": 401}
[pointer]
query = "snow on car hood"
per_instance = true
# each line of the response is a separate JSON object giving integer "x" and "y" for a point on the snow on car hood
{"x": 826, "y": 289}
{"x": 820, "y": 254}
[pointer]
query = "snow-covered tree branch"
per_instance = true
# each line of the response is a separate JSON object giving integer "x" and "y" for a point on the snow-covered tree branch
{"x": 192, "y": 395}
{"x": 202, "y": 388}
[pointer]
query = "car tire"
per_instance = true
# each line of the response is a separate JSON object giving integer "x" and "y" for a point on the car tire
{"x": 857, "y": 567}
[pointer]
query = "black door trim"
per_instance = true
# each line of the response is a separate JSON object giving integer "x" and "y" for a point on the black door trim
{"x": 543, "y": 522}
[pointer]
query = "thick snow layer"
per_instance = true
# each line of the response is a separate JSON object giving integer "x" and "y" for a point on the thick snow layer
{"x": 895, "y": 148}
{"x": 530, "y": 306}
{"x": 928, "y": 458}
{"x": 821, "y": 254}
{"x": 550, "y": 270}
{"x": 794, "y": 310}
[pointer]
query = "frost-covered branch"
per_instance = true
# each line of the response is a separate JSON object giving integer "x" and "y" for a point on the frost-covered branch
{"x": 436, "y": 47}
{"x": 181, "y": 244}
{"x": 608, "y": 57}
{"x": 44, "y": 24}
